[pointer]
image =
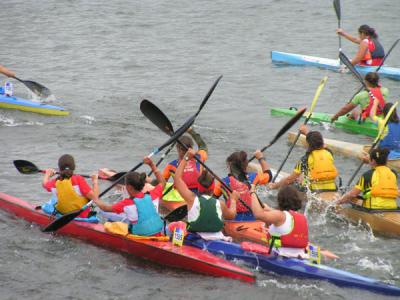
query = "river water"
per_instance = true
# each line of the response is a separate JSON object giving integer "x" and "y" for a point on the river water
{"x": 101, "y": 58}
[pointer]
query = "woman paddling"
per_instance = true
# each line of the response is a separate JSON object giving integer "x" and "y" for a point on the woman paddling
{"x": 378, "y": 186}
{"x": 141, "y": 208}
{"x": 287, "y": 229}
{"x": 70, "y": 191}
{"x": 370, "y": 51}
{"x": 206, "y": 214}
{"x": 317, "y": 166}
{"x": 364, "y": 100}
{"x": 240, "y": 180}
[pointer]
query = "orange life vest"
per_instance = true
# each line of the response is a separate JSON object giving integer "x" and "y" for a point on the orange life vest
{"x": 323, "y": 168}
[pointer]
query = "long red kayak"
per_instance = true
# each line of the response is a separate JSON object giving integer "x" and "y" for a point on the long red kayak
{"x": 165, "y": 253}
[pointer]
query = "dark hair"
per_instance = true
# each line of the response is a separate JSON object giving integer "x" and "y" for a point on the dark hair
{"x": 66, "y": 165}
{"x": 368, "y": 31}
{"x": 372, "y": 78}
{"x": 314, "y": 140}
{"x": 380, "y": 155}
{"x": 136, "y": 180}
{"x": 289, "y": 198}
{"x": 205, "y": 179}
{"x": 238, "y": 162}
{"x": 187, "y": 141}
{"x": 394, "y": 118}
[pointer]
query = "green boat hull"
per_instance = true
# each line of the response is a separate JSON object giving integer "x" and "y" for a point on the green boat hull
{"x": 367, "y": 127}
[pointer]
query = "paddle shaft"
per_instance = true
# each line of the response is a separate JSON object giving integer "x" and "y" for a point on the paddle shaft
{"x": 162, "y": 157}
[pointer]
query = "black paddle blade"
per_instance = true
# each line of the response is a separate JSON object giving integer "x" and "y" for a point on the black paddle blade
{"x": 25, "y": 167}
{"x": 343, "y": 58}
{"x": 208, "y": 95}
{"x": 387, "y": 54}
{"x": 62, "y": 221}
{"x": 336, "y": 5}
{"x": 36, "y": 88}
{"x": 289, "y": 124}
{"x": 177, "y": 215}
{"x": 156, "y": 116}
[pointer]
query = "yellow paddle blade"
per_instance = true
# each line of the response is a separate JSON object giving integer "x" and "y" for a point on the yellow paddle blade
{"x": 316, "y": 96}
{"x": 382, "y": 130}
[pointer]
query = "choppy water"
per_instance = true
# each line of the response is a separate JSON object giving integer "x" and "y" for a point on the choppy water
{"x": 101, "y": 58}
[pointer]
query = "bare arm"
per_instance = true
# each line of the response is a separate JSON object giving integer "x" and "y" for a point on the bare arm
{"x": 229, "y": 213}
{"x": 48, "y": 173}
{"x": 160, "y": 178}
{"x": 362, "y": 50}
{"x": 7, "y": 72}
{"x": 274, "y": 216}
{"x": 349, "y": 196}
{"x": 348, "y": 36}
{"x": 344, "y": 110}
{"x": 180, "y": 185}
{"x": 284, "y": 181}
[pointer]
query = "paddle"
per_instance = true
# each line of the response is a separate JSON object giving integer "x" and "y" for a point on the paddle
{"x": 35, "y": 87}
{"x": 65, "y": 219}
{"x": 177, "y": 214}
{"x": 162, "y": 157}
{"x": 377, "y": 140}
{"x": 314, "y": 102}
{"x": 377, "y": 69}
{"x": 28, "y": 168}
{"x": 283, "y": 130}
{"x": 336, "y": 5}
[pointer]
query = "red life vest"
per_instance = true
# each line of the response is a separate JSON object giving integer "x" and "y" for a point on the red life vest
{"x": 298, "y": 237}
{"x": 244, "y": 192}
{"x": 374, "y": 55}
{"x": 191, "y": 173}
{"x": 378, "y": 95}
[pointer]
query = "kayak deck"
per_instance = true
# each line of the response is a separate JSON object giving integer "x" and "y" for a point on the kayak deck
{"x": 367, "y": 127}
{"x": 327, "y": 63}
{"x": 164, "y": 253}
{"x": 31, "y": 106}
{"x": 293, "y": 267}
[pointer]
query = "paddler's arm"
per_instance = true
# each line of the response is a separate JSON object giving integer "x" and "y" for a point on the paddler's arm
{"x": 284, "y": 181}
{"x": 180, "y": 185}
{"x": 274, "y": 216}
{"x": 159, "y": 176}
{"x": 362, "y": 50}
{"x": 229, "y": 213}
{"x": 372, "y": 114}
{"x": 348, "y": 36}
{"x": 201, "y": 144}
{"x": 7, "y": 72}
{"x": 349, "y": 196}
{"x": 46, "y": 178}
{"x": 261, "y": 159}
{"x": 344, "y": 110}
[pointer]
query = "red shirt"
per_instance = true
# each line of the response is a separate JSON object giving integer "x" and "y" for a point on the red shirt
{"x": 155, "y": 194}
{"x": 76, "y": 180}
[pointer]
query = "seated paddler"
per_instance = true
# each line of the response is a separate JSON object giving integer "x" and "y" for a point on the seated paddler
{"x": 240, "y": 180}
{"x": 287, "y": 229}
{"x": 141, "y": 207}
{"x": 206, "y": 214}
{"x": 316, "y": 170}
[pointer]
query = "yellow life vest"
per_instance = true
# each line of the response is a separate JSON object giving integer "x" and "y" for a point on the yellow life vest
{"x": 68, "y": 198}
{"x": 383, "y": 191}
{"x": 321, "y": 166}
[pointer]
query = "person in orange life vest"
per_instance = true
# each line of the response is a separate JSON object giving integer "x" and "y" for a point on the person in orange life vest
{"x": 71, "y": 191}
{"x": 364, "y": 100}
{"x": 316, "y": 169}
{"x": 370, "y": 51}
{"x": 193, "y": 168}
{"x": 378, "y": 186}
{"x": 141, "y": 208}
{"x": 205, "y": 213}
{"x": 287, "y": 229}
{"x": 240, "y": 180}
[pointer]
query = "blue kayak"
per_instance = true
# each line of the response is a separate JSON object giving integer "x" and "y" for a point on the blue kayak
{"x": 12, "y": 102}
{"x": 292, "y": 266}
{"x": 327, "y": 63}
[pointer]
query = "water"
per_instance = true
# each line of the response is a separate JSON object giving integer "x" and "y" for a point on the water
{"x": 101, "y": 58}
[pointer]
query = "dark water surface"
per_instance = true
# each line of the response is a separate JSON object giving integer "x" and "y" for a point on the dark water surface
{"x": 101, "y": 58}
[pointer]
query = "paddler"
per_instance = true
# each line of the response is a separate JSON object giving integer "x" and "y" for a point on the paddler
{"x": 141, "y": 208}
{"x": 70, "y": 192}
{"x": 240, "y": 180}
{"x": 391, "y": 135}
{"x": 287, "y": 229}
{"x": 370, "y": 51}
{"x": 378, "y": 186}
{"x": 364, "y": 100}
{"x": 193, "y": 169}
{"x": 317, "y": 166}
{"x": 7, "y": 72}
{"x": 206, "y": 214}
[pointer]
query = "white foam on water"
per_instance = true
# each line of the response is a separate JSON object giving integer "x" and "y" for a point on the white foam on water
{"x": 10, "y": 122}
{"x": 88, "y": 119}
{"x": 376, "y": 264}
{"x": 303, "y": 289}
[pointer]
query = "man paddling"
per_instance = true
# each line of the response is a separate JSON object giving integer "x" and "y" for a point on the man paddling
{"x": 364, "y": 100}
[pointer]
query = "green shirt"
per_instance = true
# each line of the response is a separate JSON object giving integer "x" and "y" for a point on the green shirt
{"x": 362, "y": 98}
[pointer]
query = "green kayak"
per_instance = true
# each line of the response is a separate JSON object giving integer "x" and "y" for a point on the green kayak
{"x": 366, "y": 128}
